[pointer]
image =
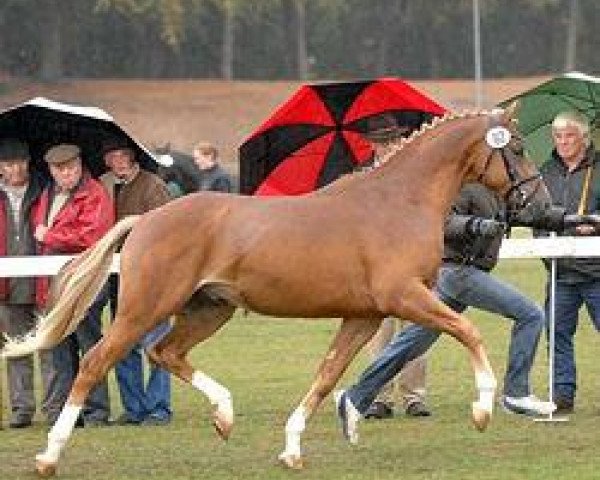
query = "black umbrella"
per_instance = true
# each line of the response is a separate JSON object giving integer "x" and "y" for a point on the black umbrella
{"x": 42, "y": 123}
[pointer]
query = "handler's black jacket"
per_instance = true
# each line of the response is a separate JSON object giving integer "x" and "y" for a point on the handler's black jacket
{"x": 566, "y": 189}
{"x": 474, "y": 200}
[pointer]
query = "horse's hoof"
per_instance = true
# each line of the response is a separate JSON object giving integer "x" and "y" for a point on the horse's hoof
{"x": 223, "y": 425}
{"x": 293, "y": 462}
{"x": 481, "y": 417}
{"x": 45, "y": 469}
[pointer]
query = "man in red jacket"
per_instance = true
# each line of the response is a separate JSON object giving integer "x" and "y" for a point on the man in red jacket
{"x": 72, "y": 213}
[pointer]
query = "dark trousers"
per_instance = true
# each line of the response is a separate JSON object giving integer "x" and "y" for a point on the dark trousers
{"x": 65, "y": 363}
{"x": 570, "y": 297}
{"x": 17, "y": 320}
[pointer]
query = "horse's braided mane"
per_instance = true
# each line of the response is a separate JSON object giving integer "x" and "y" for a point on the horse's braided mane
{"x": 397, "y": 145}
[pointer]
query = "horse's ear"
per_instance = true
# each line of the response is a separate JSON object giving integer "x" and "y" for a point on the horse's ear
{"x": 510, "y": 111}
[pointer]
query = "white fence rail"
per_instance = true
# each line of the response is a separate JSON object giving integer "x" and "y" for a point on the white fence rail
{"x": 550, "y": 247}
{"x": 511, "y": 248}
{"x": 38, "y": 265}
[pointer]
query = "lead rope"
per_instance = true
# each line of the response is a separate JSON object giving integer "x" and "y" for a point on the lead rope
{"x": 585, "y": 191}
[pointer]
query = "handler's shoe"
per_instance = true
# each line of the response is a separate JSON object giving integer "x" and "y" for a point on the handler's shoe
{"x": 348, "y": 415}
{"x": 530, "y": 406}
{"x": 379, "y": 411}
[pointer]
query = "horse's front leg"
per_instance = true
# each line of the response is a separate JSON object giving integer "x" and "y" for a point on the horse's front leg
{"x": 420, "y": 305}
{"x": 352, "y": 335}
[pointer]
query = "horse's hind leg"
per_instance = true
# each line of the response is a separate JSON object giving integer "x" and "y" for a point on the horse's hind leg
{"x": 352, "y": 335}
{"x": 420, "y": 305}
{"x": 190, "y": 328}
{"x": 117, "y": 341}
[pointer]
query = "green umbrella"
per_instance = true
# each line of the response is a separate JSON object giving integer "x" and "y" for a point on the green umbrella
{"x": 539, "y": 106}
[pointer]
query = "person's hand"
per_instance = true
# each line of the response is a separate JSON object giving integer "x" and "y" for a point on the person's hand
{"x": 485, "y": 227}
{"x": 585, "y": 229}
{"x": 40, "y": 232}
{"x": 583, "y": 224}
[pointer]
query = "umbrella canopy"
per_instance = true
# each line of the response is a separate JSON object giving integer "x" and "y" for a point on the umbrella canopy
{"x": 42, "y": 123}
{"x": 318, "y": 134}
{"x": 539, "y": 106}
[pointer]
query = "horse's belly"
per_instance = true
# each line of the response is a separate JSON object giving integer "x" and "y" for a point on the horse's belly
{"x": 318, "y": 293}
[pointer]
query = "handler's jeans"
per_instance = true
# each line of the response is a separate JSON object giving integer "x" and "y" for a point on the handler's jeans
{"x": 461, "y": 286}
{"x": 569, "y": 299}
{"x": 154, "y": 398}
{"x": 409, "y": 385}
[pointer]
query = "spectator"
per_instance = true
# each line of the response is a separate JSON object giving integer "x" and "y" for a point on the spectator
{"x": 408, "y": 387}
{"x": 213, "y": 176}
{"x": 73, "y": 212}
{"x": 136, "y": 191}
{"x": 571, "y": 174}
{"x": 472, "y": 238}
{"x": 19, "y": 188}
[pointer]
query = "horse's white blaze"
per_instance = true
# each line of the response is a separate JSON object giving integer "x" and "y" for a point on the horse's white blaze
{"x": 60, "y": 433}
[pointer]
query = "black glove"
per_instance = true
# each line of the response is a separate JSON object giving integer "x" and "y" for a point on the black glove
{"x": 552, "y": 219}
{"x": 484, "y": 227}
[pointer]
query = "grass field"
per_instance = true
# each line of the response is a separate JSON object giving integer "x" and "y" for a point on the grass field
{"x": 268, "y": 365}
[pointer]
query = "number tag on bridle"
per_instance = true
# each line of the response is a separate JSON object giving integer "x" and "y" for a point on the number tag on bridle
{"x": 497, "y": 137}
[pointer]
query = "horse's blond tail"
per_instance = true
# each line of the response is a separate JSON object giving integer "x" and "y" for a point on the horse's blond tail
{"x": 74, "y": 289}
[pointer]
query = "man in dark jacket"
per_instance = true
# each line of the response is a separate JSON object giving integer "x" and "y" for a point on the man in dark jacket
{"x": 572, "y": 175}
{"x": 473, "y": 234}
{"x": 19, "y": 189}
{"x": 212, "y": 176}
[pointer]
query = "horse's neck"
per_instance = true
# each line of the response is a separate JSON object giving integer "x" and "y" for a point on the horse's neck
{"x": 429, "y": 167}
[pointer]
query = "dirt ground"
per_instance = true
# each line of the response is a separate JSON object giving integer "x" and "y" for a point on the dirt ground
{"x": 185, "y": 111}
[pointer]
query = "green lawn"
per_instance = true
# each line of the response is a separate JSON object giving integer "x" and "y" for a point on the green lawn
{"x": 268, "y": 365}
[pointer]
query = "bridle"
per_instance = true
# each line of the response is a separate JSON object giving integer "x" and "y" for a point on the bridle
{"x": 516, "y": 197}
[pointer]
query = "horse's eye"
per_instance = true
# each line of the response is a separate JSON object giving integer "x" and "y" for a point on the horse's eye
{"x": 517, "y": 147}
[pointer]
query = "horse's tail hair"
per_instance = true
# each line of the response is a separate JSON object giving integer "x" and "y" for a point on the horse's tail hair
{"x": 73, "y": 290}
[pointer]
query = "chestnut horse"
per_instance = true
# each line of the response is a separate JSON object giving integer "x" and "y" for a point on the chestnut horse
{"x": 365, "y": 247}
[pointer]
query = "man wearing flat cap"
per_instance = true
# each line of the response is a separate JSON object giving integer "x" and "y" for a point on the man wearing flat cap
{"x": 72, "y": 214}
{"x": 19, "y": 189}
{"x": 136, "y": 191}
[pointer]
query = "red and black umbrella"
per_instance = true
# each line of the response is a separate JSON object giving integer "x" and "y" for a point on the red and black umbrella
{"x": 318, "y": 134}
